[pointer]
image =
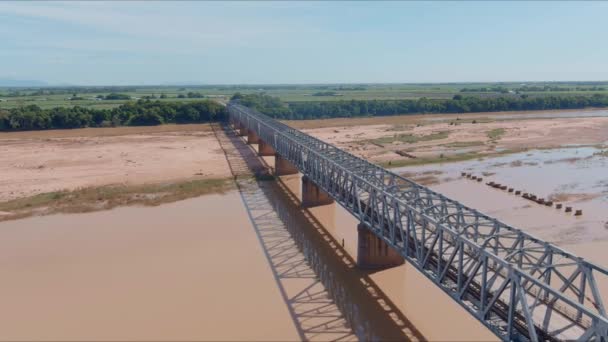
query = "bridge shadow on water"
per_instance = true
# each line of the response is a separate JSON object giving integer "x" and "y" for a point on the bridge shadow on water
{"x": 326, "y": 295}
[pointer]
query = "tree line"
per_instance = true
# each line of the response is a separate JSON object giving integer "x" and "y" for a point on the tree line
{"x": 140, "y": 113}
{"x": 60, "y": 91}
{"x": 557, "y": 88}
{"x": 530, "y": 88}
{"x": 497, "y": 89}
{"x": 459, "y": 104}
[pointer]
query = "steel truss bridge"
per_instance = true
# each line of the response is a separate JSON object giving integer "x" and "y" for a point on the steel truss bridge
{"x": 520, "y": 287}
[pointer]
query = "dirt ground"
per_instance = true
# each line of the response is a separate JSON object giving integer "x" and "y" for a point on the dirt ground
{"x": 465, "y": 136}
{"x": 46, "y": 161}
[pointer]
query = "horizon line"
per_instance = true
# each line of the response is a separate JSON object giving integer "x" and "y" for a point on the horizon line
{"x": 289, "y": 84}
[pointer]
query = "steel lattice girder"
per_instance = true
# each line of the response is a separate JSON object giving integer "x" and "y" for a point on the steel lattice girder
{"x": 519, "y": 286}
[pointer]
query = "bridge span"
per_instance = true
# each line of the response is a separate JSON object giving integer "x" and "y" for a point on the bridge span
{"x": 520, "y": 287}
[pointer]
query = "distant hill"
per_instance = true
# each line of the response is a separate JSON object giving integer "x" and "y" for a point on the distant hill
{"x": 7, "y": 82}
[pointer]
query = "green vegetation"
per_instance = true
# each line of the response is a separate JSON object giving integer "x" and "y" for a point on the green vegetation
{"x": 312, "y": 101}
{"x": 603, "y": 153}
{"x": 266, "y": 104}
{"x": 447, "y": 158}
{"x": 498, "y": 89}
{"x": 108, "y": 197}
{"x": 115, "y": 96}
{"x": 410, "y": 138}
{"x": 540, "y": 87}
{"x": 140, "y": 113}
{"x": 274, "y": 107}
{"x": 431, "y": 160}
{"x": 100, "y": 97}
{"x": 326, "y": 93}
{"x": 461, "y": 144}
{"x": 50, "y": 97}
{"x": 192, "y": 95}
{"x": 496, "y": 133}
{"x": 558, "y": 88}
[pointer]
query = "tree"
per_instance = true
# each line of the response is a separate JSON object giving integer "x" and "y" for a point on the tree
{"x": 4, "y": 120}
{"x": 187, "y": 114}
{"x": 148, "y": 118}
{"x": 115, "y": 96}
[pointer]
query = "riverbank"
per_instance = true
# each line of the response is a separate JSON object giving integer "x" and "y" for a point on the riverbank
{"x": 33, "y": 163}
{"x": 418, "y": 140}
{"x": 36, "y": 167}
{"x": 110, "y": 196}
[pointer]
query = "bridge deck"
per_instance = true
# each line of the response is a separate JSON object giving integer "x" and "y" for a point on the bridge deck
{"x": 519, "y": 286}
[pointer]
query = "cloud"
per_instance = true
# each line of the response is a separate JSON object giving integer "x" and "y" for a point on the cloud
{"x": 173, "y": 23}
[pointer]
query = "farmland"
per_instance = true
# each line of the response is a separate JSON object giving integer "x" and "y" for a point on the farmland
{"x": 51, "y": 97}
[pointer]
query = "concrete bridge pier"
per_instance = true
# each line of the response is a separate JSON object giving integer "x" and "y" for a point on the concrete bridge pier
{"x": 252, "y": 137}
{"x": 234, "y": 124}
{"x": 312, "y": 195}
{"x": 264, "y": 149}
{"x": 283, "y": 167}
{"x": 373, "y": 252}
{"x": 237, "y": 127}
{"x": 242, "y": 130}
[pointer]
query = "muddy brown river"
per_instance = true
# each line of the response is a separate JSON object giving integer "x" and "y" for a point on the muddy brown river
{"x": 188, "y": 271}
{"x": 181, "y": 271}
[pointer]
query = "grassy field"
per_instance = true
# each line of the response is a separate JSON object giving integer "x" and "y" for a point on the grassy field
{"x": 88, "y": 101}
{"x": 448, "y": 158}
{"x": 287, "y": 93}
{"x": 495, "y": 134}
{"x": 408, "y": 138}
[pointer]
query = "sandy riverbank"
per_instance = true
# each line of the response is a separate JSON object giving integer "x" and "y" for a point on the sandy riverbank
{"x": 402, "y": 140}
{"x": 46, "y": 161}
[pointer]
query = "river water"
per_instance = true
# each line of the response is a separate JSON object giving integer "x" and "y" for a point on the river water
{"x": 188, "y": 271}
{"x": 427, "y": 308}
{"x": 247, "y": 265}
{"x": 574, "y": 176}
{"x": 180, "y": 271}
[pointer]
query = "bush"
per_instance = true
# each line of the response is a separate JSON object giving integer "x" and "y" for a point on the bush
{"x": 145, "y": 119}
{"x": 115, "y": 96}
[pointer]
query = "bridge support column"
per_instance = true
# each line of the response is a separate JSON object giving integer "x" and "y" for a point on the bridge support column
{"x": 252, "y": 137}
{"x": 265, "y": 149}
{"x": 312, "y": 195}
{"x": 373, "y": 252}
{"x": 283, "y": 167}
{"x": 242, "y": 130}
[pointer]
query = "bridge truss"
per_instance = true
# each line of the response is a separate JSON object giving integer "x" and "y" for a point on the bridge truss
{"x": 520, "y": 287}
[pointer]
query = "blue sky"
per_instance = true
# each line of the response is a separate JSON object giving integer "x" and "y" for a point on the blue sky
{"x": 97, "y": 43}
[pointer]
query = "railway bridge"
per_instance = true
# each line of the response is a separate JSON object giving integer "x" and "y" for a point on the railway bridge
{"x": 520, "y": 287}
